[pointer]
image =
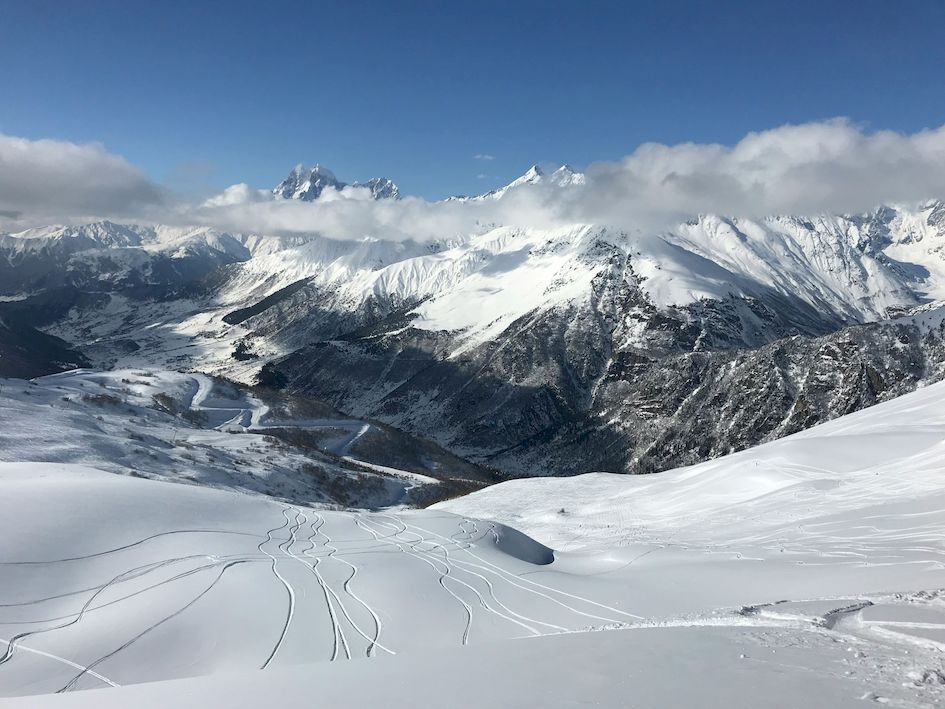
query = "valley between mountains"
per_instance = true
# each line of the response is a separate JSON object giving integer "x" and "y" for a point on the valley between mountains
{"x": 528, "y": 351}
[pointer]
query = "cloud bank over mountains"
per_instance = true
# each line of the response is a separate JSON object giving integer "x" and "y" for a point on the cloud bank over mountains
{"x": 829, "y": 166}
{"x": 58, "y": 181}
{"x": 803, "y": 169}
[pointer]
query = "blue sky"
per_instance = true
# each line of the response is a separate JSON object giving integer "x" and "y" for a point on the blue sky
{"x": 209, "y": 94}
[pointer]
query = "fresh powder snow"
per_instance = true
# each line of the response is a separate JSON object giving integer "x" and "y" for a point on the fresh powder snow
{"x": 806, "y": 571}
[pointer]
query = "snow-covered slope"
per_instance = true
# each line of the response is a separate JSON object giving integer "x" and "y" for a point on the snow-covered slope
{"x": 807, "y": 572}
{"x": 842, "y": 486}
{"x": 711, "y": 667}
{"x": 151, "y": 578}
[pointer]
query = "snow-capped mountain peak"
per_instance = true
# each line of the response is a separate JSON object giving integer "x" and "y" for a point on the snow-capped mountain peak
{"x": 567, "y": 175}
{"x": 533, "y": 174}
{"x": 563, "y": 176}
{"x": 381, "y": 188}
{"x": 308, "y": 185}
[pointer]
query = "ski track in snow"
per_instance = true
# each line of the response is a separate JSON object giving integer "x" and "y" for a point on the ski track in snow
{"x": 291, "y": 609}
{"x": 447, "y": 560}
{"x": 374, "y": 642}
{"x": 72, "y": 683}
{"x": 70, "y": 663}
{"x": 187, "y": 580}
{"x": 442, "y": 574}
{"x": 449, "y": 571}
{"x": 303, "y": 536}
{"x": 329, "y": 593}
{"x": 108, "y": 580}
{"x": 497, "y": 570}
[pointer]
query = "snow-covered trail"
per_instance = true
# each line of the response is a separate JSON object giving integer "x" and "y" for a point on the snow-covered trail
{"x": 345, "y": 448}
{"x": 241, "y": 414}
{"x": 250, "y": 414}
{"x": 224, "y": 409}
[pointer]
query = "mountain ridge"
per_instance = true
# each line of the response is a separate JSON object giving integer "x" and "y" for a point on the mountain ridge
{"x": 308, "y": 185}
{"x": 516, "y": 347}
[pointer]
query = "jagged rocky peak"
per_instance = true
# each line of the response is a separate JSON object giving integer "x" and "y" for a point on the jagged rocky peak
{"x": 308, "y": 184}
{"x": 381, "y": 188}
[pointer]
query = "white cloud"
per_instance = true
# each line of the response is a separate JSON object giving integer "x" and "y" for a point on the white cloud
{"x": 56, "y": 180}
{"x": 831, "y": 166}
{"x": 810, "y": 168}
{"x": 483, "y": 156}
{"x": 237, "y": 194}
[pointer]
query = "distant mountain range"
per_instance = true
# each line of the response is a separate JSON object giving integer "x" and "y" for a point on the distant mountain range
{"x": 533, "y": 351}
{"x": 307, "y": 185}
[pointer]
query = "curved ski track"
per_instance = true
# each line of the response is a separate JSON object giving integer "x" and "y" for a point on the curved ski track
{"x": 322, "y": 543}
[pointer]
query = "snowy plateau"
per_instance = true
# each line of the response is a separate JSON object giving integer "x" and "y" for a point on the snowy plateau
{"x": 237, "y": 467}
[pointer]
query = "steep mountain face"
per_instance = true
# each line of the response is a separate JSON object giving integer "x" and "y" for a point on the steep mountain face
{"x": 308, "y": 185}
{"x": 381, "y": 188}
{"x": 589, "y": 350}
{"x": 695, "y": 406}
{"x": 558, "y": 394}
{"x": 535, "y": 351}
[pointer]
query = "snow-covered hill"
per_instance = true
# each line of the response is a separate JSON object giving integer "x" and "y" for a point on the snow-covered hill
{"x": 805, "y": 489}
{"x": 806, "y": 572}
